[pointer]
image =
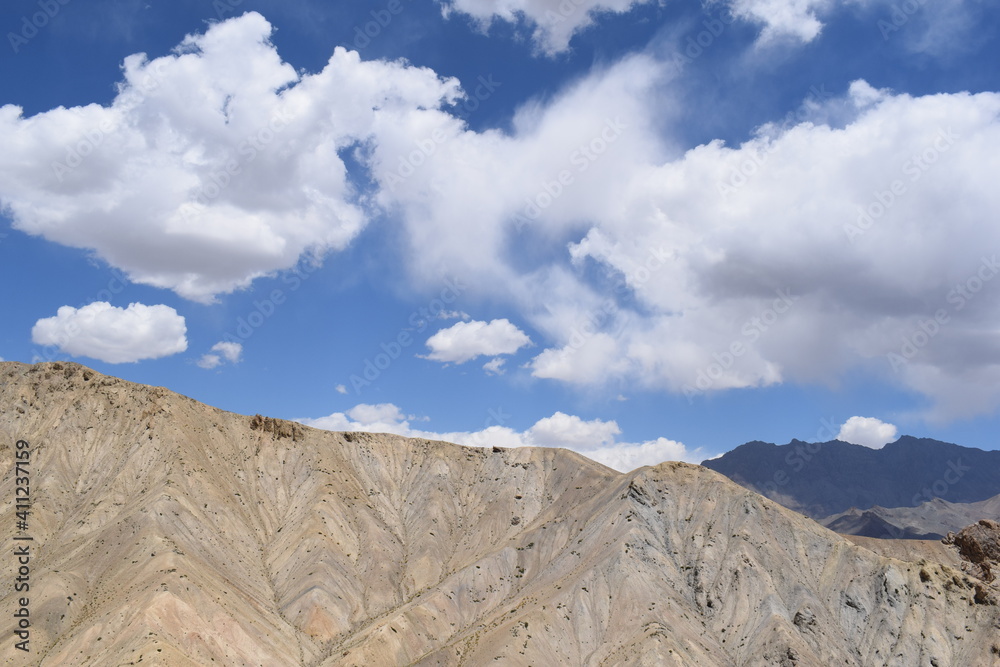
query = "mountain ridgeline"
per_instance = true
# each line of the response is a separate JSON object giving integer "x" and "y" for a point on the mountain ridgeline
{"x": 166, "y": 532}
{"x": 823, "y": 479}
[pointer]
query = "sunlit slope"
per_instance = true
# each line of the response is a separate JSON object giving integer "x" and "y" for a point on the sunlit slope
{"x": 173, "y": 532}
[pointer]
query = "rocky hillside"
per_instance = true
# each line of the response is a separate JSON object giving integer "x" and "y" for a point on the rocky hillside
{"x": 166, "y": 532}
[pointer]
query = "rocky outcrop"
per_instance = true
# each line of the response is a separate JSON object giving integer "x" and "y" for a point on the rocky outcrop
{"x": 167, "y": 532}
{"x": 979, "y": 545}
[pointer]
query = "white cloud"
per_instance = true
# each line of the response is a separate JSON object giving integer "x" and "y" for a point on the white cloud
{"x": 867, "y": 431}
{"x": 796, "y": 19}
{"x": 209, "y": 361}
{"x": 341, "y": 389}
{"x": 594, "y": 439}
{"x": 213, "y": 165}
{"x": 627, "y": 457}
{"x": 227, "y": 351}
{"x": 494, "y": 366}
{"x": 720, "y": 266}
{"x": 562, "y": 430}
{"x": 554, "y": 22}
{"x": 467, "y": 340}
{"x": 726, "y": 267}
{"x": 114, "y": 335}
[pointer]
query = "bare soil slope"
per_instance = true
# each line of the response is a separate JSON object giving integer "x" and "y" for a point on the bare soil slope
{"x": 167, "y": 532}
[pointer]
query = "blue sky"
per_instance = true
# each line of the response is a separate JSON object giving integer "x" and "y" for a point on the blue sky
{"x": 642, "y": 230}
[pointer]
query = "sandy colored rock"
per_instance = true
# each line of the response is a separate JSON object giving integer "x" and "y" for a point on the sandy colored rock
{"x": 173, "y": 533}
{"x": 979, "y": 545}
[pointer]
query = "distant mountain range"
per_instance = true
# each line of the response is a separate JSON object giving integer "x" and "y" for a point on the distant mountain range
{"x": 823, "y": 479}
{"x": 931, "y": 520}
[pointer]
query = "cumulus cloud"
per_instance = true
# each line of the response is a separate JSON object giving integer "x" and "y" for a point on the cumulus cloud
{"x": 594, "y": 439}
{"x": 867, "y": 431}
{"x": 341, "y": 389}
{"x": 467, "y": 340}
{"x": 213, "y": 165}
{"x": 853, "y": 239}
{"x": 114, "y": 335}
{"x": 227, "y": 351}
{"x": 811, "y": 249}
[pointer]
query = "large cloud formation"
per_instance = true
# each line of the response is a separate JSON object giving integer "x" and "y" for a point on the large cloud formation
{"x": 214, "y": 165}
{"x": 858, "y": 238}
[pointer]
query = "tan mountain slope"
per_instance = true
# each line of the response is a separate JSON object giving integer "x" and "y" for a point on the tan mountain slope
{"x": 167, "y": 532}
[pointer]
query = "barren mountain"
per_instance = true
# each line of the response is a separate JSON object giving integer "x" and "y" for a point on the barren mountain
{"x": 930, "y": 520}
{"x": 166, "y": 532}
{"x": 821, "y": 479}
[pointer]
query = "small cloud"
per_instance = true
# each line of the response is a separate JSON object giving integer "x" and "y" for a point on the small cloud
{"x": 209, "y": 361}
{"x": 230, "y": 352}
{"x": 494, "y": 366}
{"x": 341, "y": 389}
{"x": 114, "y": 335}
{"x": 867, "y": 431}
{"x": 562, "y": 430}
{"x": 467, "y": 340}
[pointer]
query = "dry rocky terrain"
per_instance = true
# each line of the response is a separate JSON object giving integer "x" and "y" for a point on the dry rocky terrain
{"x": 167, "y": 532}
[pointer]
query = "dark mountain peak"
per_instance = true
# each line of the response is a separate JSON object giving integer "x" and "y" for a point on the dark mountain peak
{"x": 921, "y": 444}
{"x": 823, "y": 479}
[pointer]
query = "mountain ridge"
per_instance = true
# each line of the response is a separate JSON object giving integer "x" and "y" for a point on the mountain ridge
{"x": 179, "y": 534}
{"x": 828, "y": 478}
